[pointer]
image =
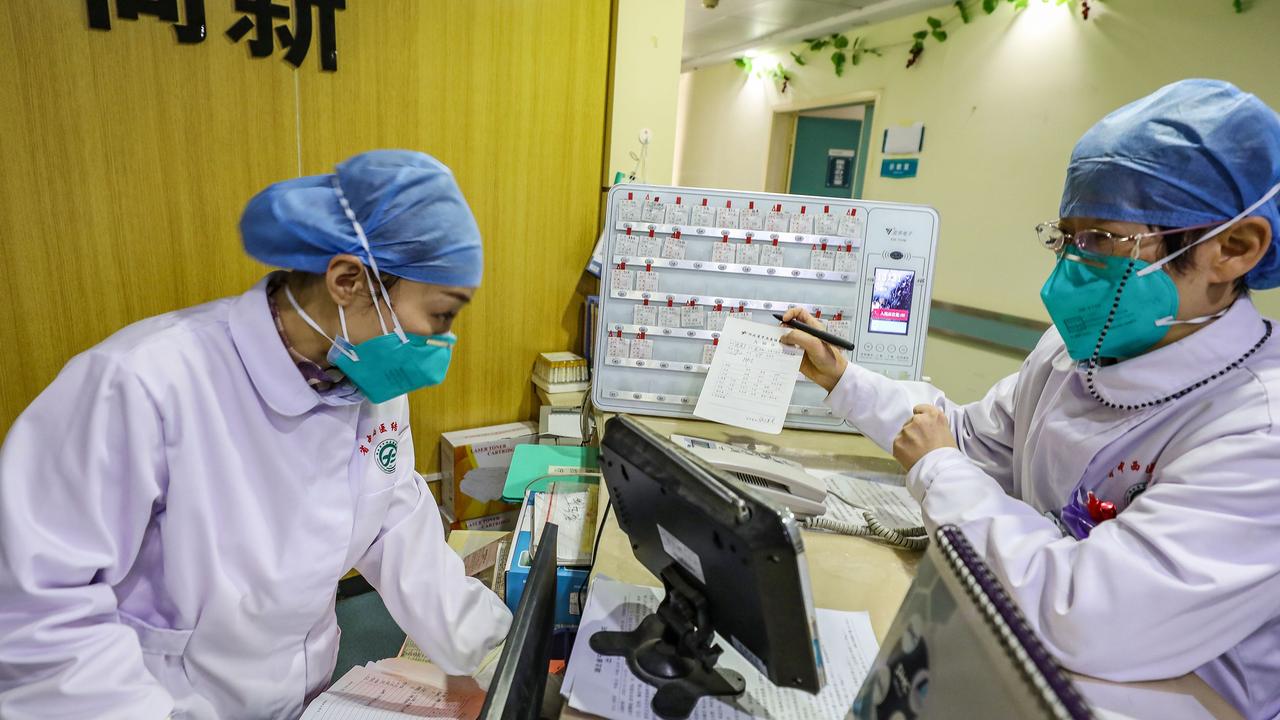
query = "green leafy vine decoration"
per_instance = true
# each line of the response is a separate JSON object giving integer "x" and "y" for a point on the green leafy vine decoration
{"x": 850, "y": 52}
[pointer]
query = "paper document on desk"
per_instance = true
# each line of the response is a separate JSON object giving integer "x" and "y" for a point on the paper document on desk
{"x": 365, "y": 693}
{"x": 751, "y": 379}
{"x": 605, "y": 686}
{"x": 573, "y": 511}
{"x": 849, "y": 496}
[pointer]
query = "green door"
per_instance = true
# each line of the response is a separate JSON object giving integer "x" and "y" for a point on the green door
{"x": 826, "y": 157}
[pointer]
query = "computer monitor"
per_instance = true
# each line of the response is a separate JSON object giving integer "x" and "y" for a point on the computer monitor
{"x": 515, "y": 693}
{"x": 731, "y": 564}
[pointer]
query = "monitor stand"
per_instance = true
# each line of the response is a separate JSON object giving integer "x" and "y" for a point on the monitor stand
{"x": 672, "y": 650}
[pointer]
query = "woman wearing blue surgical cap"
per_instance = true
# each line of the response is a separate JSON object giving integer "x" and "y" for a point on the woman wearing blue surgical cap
{"x": 1125, "y": 483}
{"x": 175, "y": 544}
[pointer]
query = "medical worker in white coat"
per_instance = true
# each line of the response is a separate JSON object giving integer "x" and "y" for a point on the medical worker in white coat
{"x": 177, "y": 508}
{"x": 1125, "y": 483}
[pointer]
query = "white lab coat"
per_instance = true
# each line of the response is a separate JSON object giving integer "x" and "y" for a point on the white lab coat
{"x": 176, "y": 510}
{"x": 1187, "y": 575}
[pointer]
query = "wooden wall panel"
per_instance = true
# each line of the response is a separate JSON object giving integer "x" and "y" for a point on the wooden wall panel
{"x": 127, "y": 159}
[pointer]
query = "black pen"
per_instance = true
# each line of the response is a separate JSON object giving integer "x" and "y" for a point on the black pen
{"x": 820, "y": 334}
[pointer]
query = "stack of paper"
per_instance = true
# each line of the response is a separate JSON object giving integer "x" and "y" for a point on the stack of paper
{"x": 375, "y": 693}
{"x": 605, "y": 686}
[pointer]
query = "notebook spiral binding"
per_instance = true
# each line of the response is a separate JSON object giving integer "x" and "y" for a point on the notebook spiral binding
{"x": 1056, "y": 690}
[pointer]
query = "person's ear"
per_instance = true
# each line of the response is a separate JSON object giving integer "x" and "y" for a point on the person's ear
{"x": 345, "y": 279}
{"x": 1239, "y": 249}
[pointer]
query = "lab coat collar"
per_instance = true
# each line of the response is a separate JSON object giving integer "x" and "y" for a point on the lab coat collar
{"x": 274, "y": 373}
{"x": 1167, "y": 370}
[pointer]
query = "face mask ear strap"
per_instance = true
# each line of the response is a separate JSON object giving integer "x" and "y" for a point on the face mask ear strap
{"x": 364, "y": 243}
{"x": 1171, "y": 321}
{"x": 1275, "y": 189}
{"x": 374, "y": 297}
{"x": 315, "y": 326}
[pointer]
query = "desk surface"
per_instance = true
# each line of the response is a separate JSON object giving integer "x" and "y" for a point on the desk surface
{"x": 848, "y": 573}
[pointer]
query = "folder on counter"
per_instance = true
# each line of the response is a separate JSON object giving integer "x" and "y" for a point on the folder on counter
{"x": 534, "y": 467}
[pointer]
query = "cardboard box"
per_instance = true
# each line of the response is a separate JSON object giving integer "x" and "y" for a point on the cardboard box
{"x": 474, "y": 464}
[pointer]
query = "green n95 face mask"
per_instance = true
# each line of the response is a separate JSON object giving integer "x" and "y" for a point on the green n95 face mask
{"x": 1083, "y": 290}
{"x": 388, "y": 365}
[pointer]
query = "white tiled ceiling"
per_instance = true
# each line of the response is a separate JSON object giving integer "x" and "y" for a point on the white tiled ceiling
{"x": 735, "y": 24}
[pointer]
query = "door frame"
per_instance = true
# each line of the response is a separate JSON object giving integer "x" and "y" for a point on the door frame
{"x": 864, "y": 97}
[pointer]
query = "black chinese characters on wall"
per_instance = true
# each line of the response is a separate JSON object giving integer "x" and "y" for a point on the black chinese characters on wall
{"x": 260, "y": 17}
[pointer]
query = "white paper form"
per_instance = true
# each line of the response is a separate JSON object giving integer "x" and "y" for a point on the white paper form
{"x": 366, "y": 694}
{"x": 751, "y": 379}
{"x": 573, "y": 511}
{"x": 605, "y": 686}
{"x": 849, "y": 496}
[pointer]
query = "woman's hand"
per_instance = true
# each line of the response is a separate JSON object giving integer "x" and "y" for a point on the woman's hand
{"x": 822, "y": 363}
{"x": 926, "y": 431}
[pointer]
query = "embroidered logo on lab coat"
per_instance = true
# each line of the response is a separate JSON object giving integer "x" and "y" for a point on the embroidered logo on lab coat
{"x": 384, "y": 453}
{"x": 1134, "y": 468}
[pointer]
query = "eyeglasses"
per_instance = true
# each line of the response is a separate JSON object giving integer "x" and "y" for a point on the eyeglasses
{"x": 1097, "y": 242}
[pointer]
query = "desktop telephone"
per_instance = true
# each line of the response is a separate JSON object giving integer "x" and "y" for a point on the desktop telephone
{"x": 786, "y": 482}
{"x": 777, "y": 480}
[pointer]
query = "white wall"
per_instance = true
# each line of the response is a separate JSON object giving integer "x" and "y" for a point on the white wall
{"x": 646, "y": 75}
{"x": 1003, "y": 102}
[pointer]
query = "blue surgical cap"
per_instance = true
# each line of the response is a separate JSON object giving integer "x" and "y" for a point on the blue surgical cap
{"x": 1194, "y": 152}
{"x": 418, "y": 225}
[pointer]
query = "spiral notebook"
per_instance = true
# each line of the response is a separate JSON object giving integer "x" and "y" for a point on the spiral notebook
{"x": 959, "y": 647}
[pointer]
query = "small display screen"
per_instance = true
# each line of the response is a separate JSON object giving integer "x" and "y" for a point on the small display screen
{"x": 891, "y": 301}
